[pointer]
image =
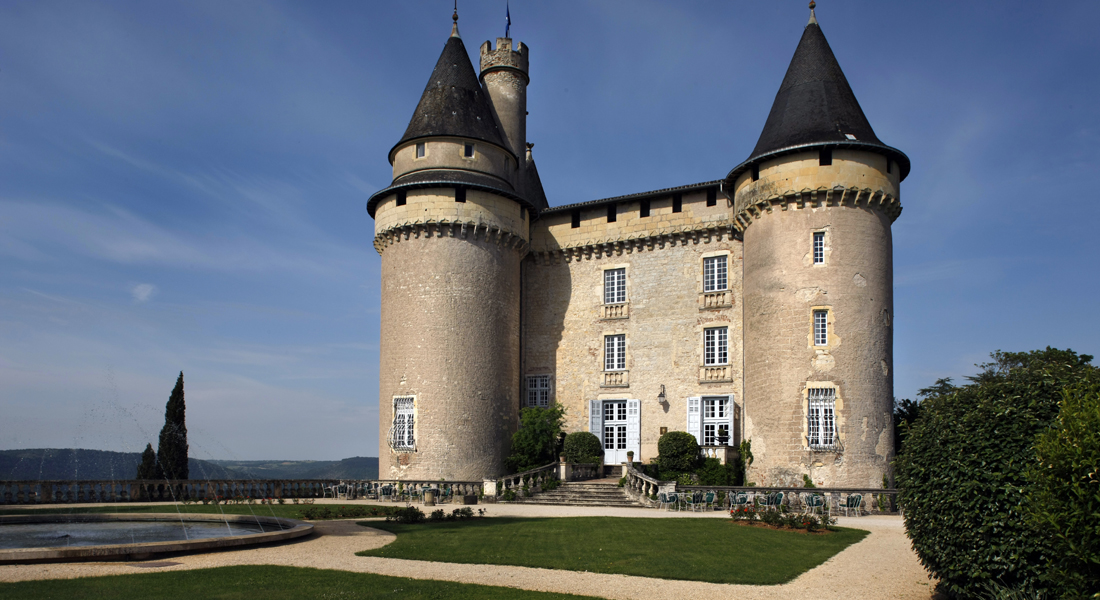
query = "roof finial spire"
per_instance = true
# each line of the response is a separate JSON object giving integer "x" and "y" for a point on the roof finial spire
{"x": 454, "y": 17}
{"x": 813, "y": 17}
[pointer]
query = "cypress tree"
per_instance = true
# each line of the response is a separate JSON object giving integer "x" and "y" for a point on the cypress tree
{"x": 148, "y": 467}
{"x": 172, "y": 450}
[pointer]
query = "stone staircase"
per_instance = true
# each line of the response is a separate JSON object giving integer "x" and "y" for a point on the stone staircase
{"x": 600, "y": 492}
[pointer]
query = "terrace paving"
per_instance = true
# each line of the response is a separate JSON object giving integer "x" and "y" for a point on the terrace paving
{"x": 880, "y": 566}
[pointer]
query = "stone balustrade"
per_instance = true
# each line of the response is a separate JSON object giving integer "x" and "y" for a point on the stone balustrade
{"x": 615, "y": 311}
{"x": 533, "y": 479}
{"x": 615, "y": 379}
{"x": 724, "y": 454}
{"x": 712, "y": 300}
{"x": 716, "y": 374}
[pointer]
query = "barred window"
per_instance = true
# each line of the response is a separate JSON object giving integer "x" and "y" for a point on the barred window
{"x": 819, "y": 247}
{"x": 821, "y": 328}
{"x": 402, "y": 433}
{"x": 822, "y": 417}
{"x": 714, "y": 274}
{"x": 614, "y": 286}
{"x": 715, "y": 346}
{"x": 538, "y": 391}
{"x": 614, "y": 352}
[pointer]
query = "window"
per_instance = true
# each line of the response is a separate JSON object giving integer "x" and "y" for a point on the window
{"x": 460, "y": 194}
{"x": 716, "y": 420}
{"x": 715, "y": 346}
{"x": 420, "y": 150}
{"x": 614, "y": 425}
{"x": 575, "y": 219}
{"x": 614, "y": 286}
{"x": 402, "y": 433}
{"x": 821, "y": 328}
{"x": 523, "y": 213}
{"x": 538, "y": 391}
{"x": 677, "y": 203}
{"x": 822, "y": 417}
{"x": 825, "y": 157}
{"x": 611, "y": 213}
{"x": 819, "y": 247}
{"x": 714, "y": 273}
{"x": 401, "y": 197}
{"x": 643, "y": 211}
{"x": 756, "y": 172}
{"x": 712, "y": 197}
{"x": 468, "y": 150}
{"x": 614, "y": 352}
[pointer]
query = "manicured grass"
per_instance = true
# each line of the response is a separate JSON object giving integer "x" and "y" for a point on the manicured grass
{"x": 287, "y": 511}
{"x": 711, "y": 550}
{"x": 269, "y": 583}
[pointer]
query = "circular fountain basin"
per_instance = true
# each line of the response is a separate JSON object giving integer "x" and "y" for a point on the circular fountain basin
{"x": 96, "y": 537}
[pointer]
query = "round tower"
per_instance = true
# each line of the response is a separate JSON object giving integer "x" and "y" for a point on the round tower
{"x": 815, "y": 202}
{"x": 451, "y": 229}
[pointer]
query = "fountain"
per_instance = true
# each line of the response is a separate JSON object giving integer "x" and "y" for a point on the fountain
{"x": 98, "y": 537}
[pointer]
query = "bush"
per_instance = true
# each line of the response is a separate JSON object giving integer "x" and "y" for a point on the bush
{"x": 1064, "y": 500}
{"x": 713, "y": 472}
{"x": 678, "y": 452}
{"x": 509, "y": 495}
{"x": 582, "y": 447}
{"x": 962, "y": 472}
{"x": 409, "y": 514}
{"x": 536, "y": 443}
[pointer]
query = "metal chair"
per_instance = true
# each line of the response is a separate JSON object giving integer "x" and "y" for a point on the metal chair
{"x": 738, "y": 500}
{"x": 662, "y": 500}
{"x": 853, "y": 503}
{"x": 814, "y": 503}
{"x": 773, "y": 501}
{"x": 708, "y": 499}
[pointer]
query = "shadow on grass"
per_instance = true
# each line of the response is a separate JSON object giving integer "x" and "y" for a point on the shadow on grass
{"x": 712, "y": 550}
{"x": 267, "y": 582}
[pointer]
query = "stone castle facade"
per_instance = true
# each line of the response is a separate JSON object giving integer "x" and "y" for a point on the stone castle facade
{"x": 755, "y": 307}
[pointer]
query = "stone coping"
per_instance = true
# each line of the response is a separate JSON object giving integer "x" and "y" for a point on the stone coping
{"x": 289, "y": 529}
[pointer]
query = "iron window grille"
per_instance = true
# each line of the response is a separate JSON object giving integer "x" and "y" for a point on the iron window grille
{"x": 402, "y": 432}
{"x": 714, "y": 274}
{"x": 821, "y": 328}
{"x": 822, "y": 418}
{"x": 715, "y": 346}
{"x": 819, "y": 247}
{"x": 614, "y": 286}
{"x": 614, "y": 352}
{"x": 538, "y": 391}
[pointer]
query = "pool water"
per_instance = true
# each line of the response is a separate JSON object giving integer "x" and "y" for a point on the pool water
{"x": 55, "y": 535}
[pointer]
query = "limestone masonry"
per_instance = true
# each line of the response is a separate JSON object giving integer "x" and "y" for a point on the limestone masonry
{"x": 755, "y": 307}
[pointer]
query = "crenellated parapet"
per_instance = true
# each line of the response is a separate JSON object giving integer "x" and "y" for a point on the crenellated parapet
{"x": 646, "y": 241}
{"x": 747, "y": 211}
{"x": 467, "y": 230}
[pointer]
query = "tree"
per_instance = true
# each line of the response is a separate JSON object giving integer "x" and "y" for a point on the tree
{"x": 148, "y": 467}
{"x": 677, "y": 452}
{"x": 172, "y": 450}
{"x": 1064, "y": 499}
{"x": 536, "y": 443}
{"x": 963, "y": 471}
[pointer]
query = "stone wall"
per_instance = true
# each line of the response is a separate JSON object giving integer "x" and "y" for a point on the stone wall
{"x": 565, "y": 320}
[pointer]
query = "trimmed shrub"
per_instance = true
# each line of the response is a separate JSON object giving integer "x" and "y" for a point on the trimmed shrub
{"x": 582, "y": 447}
{"x": 678, "y": 452}
{"x": 713, "y": 472}
{"x": 962, "y": 473}
{"x": 1064, "y": 500}
{"x": 409, "y": 514}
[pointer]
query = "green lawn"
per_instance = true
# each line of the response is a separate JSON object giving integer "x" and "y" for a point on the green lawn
{"x": 288, "y": 511}
{"x": 269, "y": 583}
{"x": 711, "y": 550}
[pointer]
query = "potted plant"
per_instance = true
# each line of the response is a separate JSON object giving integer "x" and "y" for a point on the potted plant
{"x": 630, "y": 456}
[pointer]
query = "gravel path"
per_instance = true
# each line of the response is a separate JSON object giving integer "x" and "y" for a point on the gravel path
{"x": 881, "y": 566}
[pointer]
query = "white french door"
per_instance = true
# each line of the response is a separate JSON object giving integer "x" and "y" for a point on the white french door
{"x": 618, "y": 425}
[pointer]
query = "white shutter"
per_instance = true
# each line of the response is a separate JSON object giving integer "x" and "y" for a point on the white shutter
{"x": 694, "y": 420}
{"x": 595, "y": 419}
{"x": 729, "y": 414}
{"x": 634, "y": 427}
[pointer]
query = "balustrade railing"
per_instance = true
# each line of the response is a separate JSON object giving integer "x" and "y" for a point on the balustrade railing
{"x": 527, "y": 483}
{"x": 615, "y": 311}
{"x": 615, "y": 379}
{"x": 721, "y": 299}
{"x": 717, "y": 374}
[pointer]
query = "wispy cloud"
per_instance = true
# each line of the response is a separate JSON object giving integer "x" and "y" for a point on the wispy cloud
{"x": 143, "y": 292}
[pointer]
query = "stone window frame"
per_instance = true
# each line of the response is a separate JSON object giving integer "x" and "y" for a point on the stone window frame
{"x": 473, "y": 151}
{"x": 624, "y": 353}
{"x": 406, "y": 421}
{"x": 836, "y": 445}
{"x": 716, "y": 329}
{"x": 831, "y": 338}
{"x": 420, "y": 150}
{"x": 548, "y": 389}
{"x": 826, "y": 247}
{"x": 703, "y": 270}
{"x": 625, "y": 283}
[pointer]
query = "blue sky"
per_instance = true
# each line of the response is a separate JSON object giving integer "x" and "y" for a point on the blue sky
{"x": 182, "y": 185}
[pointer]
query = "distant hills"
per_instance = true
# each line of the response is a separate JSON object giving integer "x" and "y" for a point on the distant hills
{"x": 77, "y": 464}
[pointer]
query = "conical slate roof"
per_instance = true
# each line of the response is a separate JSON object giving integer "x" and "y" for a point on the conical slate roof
{"x": 815, "y": 106}
{"x": 453, "y": 102}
